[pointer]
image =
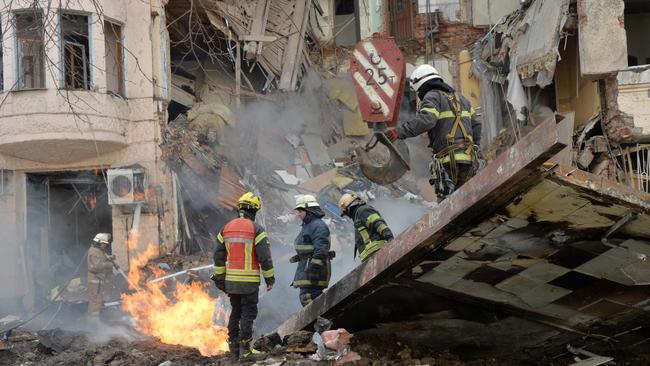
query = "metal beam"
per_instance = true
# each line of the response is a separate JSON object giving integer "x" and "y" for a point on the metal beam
{"x": 510, "y": 174}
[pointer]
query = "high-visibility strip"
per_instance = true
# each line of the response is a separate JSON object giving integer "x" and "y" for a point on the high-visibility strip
{"x": 304, "y": 247}
{"x": 238, "y": 240}
{"x": 450, "y": 114}
{"x": 309, "y": 283}
{"x": 457, "y": 157}
{"x": 234, "y": 278}
{"x": 268, "y": 273}
{"x": 219, "y": 270}
{"x": 431, "y": 110}
{"x": 260, "y": 237}
{"x": 317, "y": 261}
{"x": 364, "y": 234}
{"x": 220, "y": 238}
{"x": 373, "y": 247}
{"x": 372, "y": 218}
{"x": 243, "y": 271}
{"x": 382, "y": 228}
{"x": 248, "y": 259}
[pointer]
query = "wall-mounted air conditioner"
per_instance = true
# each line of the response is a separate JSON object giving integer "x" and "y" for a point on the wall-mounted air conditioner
{"x": 126, "y": 186}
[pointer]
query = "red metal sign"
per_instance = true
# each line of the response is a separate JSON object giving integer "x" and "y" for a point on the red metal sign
{"x": 377, "y": 68}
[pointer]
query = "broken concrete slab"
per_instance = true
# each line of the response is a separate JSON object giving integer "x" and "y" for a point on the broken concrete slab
{"x": 601, "y": 27}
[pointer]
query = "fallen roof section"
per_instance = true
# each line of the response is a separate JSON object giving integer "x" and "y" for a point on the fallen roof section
{"x": 553, "y": 245}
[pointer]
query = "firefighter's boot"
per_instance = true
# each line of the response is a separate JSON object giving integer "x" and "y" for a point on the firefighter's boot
{"x": 248, "y": 353}
{"x": 233, "y": 348}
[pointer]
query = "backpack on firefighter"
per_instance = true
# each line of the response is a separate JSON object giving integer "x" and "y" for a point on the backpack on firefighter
{"x": 445, "y": 181}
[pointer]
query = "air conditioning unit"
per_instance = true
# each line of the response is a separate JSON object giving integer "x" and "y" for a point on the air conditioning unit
{"x": 126, "y": 186}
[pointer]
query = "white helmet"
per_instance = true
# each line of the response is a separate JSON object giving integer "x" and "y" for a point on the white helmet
{"x": 422, "y": 74}
{"x": 306, "y": 200}
{"x": 103, "y": 238}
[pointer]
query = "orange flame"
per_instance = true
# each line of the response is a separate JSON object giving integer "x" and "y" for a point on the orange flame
{"x": 183, "y": 318}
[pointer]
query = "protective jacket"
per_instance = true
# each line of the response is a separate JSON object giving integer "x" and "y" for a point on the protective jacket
{"x": 242, "y": 248}
{"x": 99, "y": 267}
{"x": 312, "y": 246}
{"x": 436, "y": 116}
{"x": 372, "y": 232}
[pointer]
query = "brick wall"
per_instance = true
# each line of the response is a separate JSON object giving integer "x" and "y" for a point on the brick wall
{"x": 452, "y": 38}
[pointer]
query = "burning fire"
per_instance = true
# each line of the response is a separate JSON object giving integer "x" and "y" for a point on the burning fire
{"x": 184, "y": 317}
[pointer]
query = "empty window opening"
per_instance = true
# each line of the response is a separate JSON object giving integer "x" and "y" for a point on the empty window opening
{"x": 114, "y": 58}
{"x": 346, "y": 23}
{"x": 76, "y": 51}
{"x": 637, "y": 18}
{"x": 30, "y": 51}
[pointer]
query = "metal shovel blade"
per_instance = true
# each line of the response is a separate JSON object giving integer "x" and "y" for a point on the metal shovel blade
{"x": 383, "y": 167}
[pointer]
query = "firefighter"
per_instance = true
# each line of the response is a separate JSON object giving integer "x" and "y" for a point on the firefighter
{"x": 100, "y": 266}
{"x": 372, "y": 231}
{"x": 242, "y": 248}
{"x": 313, "y": 250}
{"x": 453, "y": 128}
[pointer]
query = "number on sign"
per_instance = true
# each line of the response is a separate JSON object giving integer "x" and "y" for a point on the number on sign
{"x": 381, "y": 74}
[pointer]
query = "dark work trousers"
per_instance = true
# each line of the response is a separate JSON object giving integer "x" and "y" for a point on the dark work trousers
{"x": 242, "y": 316}
{"x": 308, "y": 294}
{"x": 463, "y": 174}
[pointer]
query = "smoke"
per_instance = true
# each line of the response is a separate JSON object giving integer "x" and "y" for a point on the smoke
{"x": 261, "y": 141}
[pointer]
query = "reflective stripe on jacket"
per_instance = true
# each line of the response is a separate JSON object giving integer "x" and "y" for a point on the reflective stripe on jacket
{"x": 372, "y": 231}
{"x": 313, "y": 245}
{"x": 436, "y": 117}
{"x": 242, "y": 248}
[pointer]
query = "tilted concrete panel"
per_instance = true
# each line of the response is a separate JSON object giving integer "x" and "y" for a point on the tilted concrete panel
{"x": 602, "y": 38}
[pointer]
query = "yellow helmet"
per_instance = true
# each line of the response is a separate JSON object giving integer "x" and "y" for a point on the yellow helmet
{"x": 347, "y": 200}
{"x": 249, "y": 201}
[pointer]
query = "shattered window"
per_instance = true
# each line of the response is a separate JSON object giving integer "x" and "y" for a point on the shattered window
{"x": 114, "y": 58}
{"x": 30, "y": 51}
{"x": 76, "y": 51}
{"x": 637, "y": 18}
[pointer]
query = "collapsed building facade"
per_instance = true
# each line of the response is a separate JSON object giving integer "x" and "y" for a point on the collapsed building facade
{"x": 161, "y": 90}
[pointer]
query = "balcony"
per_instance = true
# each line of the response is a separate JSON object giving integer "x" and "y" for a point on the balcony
{"x": 60, "y": 126}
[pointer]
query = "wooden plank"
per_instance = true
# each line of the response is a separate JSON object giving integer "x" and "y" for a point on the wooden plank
{"x": 258, "y": 28}
{"x": 291, "y": 51}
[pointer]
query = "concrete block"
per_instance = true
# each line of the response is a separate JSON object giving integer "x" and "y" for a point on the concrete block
{"x": 601, "y": 27}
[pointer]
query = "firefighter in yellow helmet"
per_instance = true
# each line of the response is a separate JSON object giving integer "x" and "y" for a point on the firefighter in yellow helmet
{"x": 372, "y": 231}
{"x": 242, "y": 258}
{"x": 313, "y": 250}
{"x": 100, "y": 266}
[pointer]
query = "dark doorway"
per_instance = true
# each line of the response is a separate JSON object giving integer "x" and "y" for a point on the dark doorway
{"x": 64, "y": 212}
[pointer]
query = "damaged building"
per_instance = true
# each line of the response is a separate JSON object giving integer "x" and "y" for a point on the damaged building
{"x": 148, "y": 120}
{"x": 84, "y": 99}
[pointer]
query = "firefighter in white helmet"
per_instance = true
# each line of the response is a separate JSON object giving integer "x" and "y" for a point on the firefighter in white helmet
{"x": 452, "y": 125}
{"x": 313, "y": 250}
{"x": 100, "y": 266}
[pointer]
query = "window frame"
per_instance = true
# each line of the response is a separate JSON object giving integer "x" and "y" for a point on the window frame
{"x": 62, "y": 44}
{"x": 122, "y": 43}
{"x": 19, "y": 77}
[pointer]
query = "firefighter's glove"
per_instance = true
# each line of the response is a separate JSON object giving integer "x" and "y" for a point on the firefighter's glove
{"x": 294, "y": 259}
{"x": 219, "y": 281}
{"x": 391, "y": 133}
{"x": 313, "y": 271}
{"x": 269, "y": 283}
{"x": 110, "y": 257}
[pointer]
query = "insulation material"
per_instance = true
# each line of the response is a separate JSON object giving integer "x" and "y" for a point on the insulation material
{"x": 538, "y": 37}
